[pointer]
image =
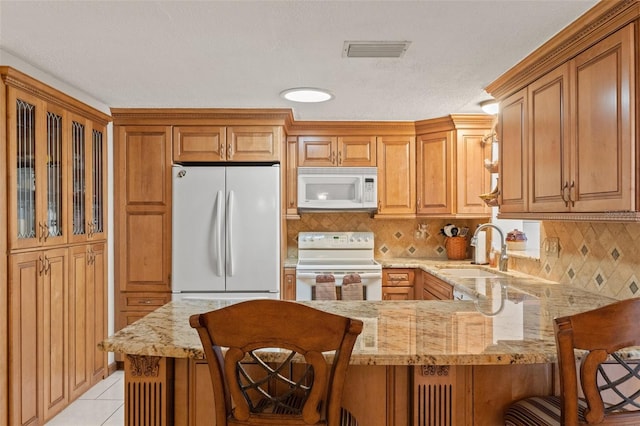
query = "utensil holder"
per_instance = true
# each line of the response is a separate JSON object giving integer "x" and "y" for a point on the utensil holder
{"x": 456, "y": 248}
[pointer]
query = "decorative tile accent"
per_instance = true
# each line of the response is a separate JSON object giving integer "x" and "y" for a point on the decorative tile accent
{"x": 384, "y": 249}
{"x": 411, "y": 250}
{"x": 616, "y": 254}
{"x": 440, "y": 250}
{"x": 599, "y": 278}
{"x": 571, "y": 273}
{"x": 398, "y": 235}
{"x": 547, "y": 268}
{"x": 584, "y": 250}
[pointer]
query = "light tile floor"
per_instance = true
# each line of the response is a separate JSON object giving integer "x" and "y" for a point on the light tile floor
{"x": 102, "y": 405}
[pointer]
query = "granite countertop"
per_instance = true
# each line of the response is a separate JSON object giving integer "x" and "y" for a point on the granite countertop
{"x": 505, "y": 319}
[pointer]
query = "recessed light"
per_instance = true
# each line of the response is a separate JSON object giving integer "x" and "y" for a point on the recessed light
{"x": 306, "y": 94}
{"x": 490, "y": 106}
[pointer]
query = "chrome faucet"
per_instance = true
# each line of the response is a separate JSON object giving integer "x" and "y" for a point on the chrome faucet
{"x": 504, "y": 259}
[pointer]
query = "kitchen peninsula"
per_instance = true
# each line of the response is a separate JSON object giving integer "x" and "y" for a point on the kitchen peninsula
{"x": 465, "y": 359}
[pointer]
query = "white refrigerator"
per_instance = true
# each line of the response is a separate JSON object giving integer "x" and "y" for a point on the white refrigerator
{"x": 226, "y": 232}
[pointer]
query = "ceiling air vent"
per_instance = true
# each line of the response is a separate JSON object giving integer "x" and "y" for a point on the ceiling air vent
{"x": 375, "y": 49}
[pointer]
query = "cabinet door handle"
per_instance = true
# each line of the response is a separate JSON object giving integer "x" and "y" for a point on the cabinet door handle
{"x": 222, "y": 150}
{"x": 46, "y": 265}
{"x": 571, "y": 189}
{"x": 564, "y": 191}
{"x": 229, "y": 152}
{"x": 41, "y": 269}
{"x": 41, "y": 233}
{"x": 333, "y": 157}
{"x": 339, "y": 157}
{"x": 46, "y": 232}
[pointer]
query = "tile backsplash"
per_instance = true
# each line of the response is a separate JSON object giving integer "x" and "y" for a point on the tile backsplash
{"x": 598, "y": 257}
{"x": 393, "y": 237}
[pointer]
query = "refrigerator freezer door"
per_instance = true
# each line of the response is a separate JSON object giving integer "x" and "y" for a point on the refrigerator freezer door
{"x": 198, "y": 229}
{"x": 253, "y": 230}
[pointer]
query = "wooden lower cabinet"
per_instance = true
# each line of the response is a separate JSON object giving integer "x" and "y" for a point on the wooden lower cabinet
{"x": 434, "y": 288}
{"x": 288, "y": 290}
{"x": 87, "y": 319}
{"x": 374, "y": 395}
{"x": 166, "y": 389}
{"x": 398, "y": 284}
{"x": 474, "y": 395}
{"x": 135, "y": 305}
{"x": 57, "y": 316}
{"x": 38, "y": 305}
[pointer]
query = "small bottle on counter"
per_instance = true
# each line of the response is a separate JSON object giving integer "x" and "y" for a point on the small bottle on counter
{"x": 493, "y": 258}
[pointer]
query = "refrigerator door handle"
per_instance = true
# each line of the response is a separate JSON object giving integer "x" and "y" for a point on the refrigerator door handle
{"x": 230, "y": 234}
{"x": 217, "y": 229}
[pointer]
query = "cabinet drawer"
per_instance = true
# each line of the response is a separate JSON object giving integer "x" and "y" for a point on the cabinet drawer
{"x": 398, "y": 277}
{"x": 143, "y": 301}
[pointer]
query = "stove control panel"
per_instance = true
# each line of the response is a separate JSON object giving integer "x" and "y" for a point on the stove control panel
{"x": 335, "y": 240}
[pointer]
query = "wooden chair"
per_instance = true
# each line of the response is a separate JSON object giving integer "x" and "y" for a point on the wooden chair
{"x": 612, "y": 399}
{"x": 299, "y": 388}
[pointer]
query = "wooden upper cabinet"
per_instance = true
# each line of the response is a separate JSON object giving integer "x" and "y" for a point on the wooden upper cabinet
{"x": 548, "y": 142}
{"x": 357, "y": 151}
{"x": 602, "y": 160}
{"x": 330, "y": 151}
{"x": 472, "y": 179}
{"x": 451, "y": 173}
{"x": 396, "y": 175}
{"x": 567, "y": 139}
{"x": 317, "y": 151}
{"x": 87, "y": 209}
{"x": 37, "y": 171}
{"x": 434, "y": 177}
{"x": 513, "y": 157}
{"x": 199, "y": 143}
{"x": 254, "y": 143}
{"x": 233, "y": 143}
{"x": 143, "y": 207}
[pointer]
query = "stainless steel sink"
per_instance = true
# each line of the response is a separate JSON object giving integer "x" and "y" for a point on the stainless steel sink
{"x": 468, "y": 273}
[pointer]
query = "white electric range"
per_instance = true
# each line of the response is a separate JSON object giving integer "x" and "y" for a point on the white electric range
{"x": 339, "y": 254}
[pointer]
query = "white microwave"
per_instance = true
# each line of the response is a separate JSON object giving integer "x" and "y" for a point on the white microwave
{"x": 337, "y": 188}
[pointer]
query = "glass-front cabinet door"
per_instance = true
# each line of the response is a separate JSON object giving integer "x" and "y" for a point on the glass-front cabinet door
{"x": 87, "y": 177}
{"x": 37, "y": 159}
{"x": 98, "y": 195}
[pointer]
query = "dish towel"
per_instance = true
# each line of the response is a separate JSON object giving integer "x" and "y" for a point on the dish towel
{"x": 325, "y": 287}
{"x": 352, "y": 287}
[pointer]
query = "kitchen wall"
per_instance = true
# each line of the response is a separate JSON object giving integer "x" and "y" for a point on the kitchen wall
{"x": 393, "y": 237}
{"x": 598, "y": 257}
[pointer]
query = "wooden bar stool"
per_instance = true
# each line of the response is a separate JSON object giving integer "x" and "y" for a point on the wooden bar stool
{"x": 609, "y": 383}
{"x": 298, "y": 388}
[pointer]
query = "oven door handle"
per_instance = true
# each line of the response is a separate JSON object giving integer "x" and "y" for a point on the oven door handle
{"x": 363, "y": 275}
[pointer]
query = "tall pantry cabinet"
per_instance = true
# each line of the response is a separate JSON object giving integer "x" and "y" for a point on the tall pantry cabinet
{"x": 54, "y": 208}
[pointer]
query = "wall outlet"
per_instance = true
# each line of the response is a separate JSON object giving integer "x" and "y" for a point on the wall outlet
{"x": 552, "y": 247}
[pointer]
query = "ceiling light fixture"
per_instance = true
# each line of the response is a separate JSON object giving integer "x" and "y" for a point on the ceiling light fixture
{"x": 306, "y": 94}
{"x": 490, "y": 106}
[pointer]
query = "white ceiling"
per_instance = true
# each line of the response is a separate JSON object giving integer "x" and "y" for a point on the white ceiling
{"x": 242, "y": 54}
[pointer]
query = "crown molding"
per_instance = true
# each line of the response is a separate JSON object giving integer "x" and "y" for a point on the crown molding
{"x": 597, "y": 23}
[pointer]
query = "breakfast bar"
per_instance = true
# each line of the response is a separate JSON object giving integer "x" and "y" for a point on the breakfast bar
{"x": 459, "y": 360}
